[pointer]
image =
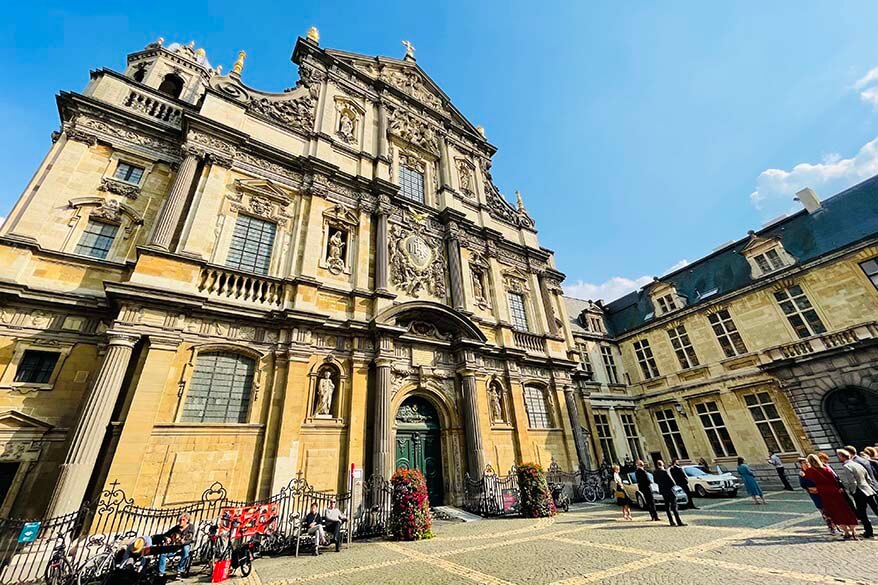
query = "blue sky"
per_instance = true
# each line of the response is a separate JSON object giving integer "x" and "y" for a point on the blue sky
{"x": 640, "y": 134}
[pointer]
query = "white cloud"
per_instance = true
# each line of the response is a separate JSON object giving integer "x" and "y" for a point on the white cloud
{"x": 870, "y": 95}
{"x": 613, "y": 288}
{"x": 868, "y": 78}
{"x": 867, "y": 85}
{"x": 775, "y": 188}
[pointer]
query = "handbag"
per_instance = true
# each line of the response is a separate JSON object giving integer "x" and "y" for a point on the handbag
{"x": 619, "y": 493}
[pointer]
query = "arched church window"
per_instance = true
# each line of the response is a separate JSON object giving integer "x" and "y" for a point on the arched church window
{"x": 220, "y": 388}
{"x": 172, "y": 85}
{"x": 139, "y": 75}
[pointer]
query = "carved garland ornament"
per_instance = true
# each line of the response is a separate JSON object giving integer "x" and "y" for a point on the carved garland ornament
{"x": 417, "y": 263}
{"x": 414, "y": 131}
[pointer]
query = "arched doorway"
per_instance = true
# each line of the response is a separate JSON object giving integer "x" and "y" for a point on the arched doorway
{"x": 854, "y": 412}
{"x": 418, "y": 444}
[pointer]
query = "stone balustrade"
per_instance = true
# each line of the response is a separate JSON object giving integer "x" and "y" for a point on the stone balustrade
{"x": 153, "y": 107}
{"x": 230, "y": 285}
{"x": 822, "y": 342}
{"x": 529, "y": 341}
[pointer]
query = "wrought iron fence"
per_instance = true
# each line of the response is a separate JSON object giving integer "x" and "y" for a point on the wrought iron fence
{"x": 88, "y": 539}
{"x": 497, "y": 495}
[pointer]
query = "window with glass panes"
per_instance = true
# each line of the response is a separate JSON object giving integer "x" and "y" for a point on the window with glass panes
{"x": 96, "y": 240}
{"x": 667, "y": 304}
{"x": 670, "y": 432}
{"x": 800, "y": 313}
{"x": 609, "y": 364}
{"x": 768, "y": 421}
{"x": 516, "y": 310}
{"x": 870, "y": 267}
{"x": 645, "y": 358}
{"x": 683, "y": 347}
{"x": 411, "y": 183}
{"x": 128, "y": 173}
{"x": 715, "y": 428}
{"x": 252, "y": 243}
{"x": 36, "y": 367}
{"x": 631, "y": 436}
{"x": 537, "y": 408}
{"x": 727, "y": 334}
{"x": 586, "y": 363}
{"x": 605, "y": 438}
{"x": 220, "y": 388}
{"x": 769, "y": 261}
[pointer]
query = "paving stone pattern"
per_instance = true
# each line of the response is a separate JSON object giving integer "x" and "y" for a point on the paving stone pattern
{"x": 726, "y": 541}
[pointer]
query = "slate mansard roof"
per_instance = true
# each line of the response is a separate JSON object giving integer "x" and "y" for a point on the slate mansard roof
{"x": 843, "y": 220}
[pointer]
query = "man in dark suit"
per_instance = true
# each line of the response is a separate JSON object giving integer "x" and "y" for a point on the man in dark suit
{"x": 644, "y": 485}
{"x": 678, "y": 474}
{"x": 666, "y": 489}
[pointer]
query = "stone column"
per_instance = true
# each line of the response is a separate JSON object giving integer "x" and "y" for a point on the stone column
{"x": 383, "y": 150}
{"x": 381, "y": 243}
{"x": 169, "y": 217}
{"x": 576, "y": 426}
{"x": 444, "y": 164}
{"x": 549, "y": 308}
{"x": 381, "y": 424}
{"x": 475, "y": 453}
{"x": 452, "y": 244}
{"x": 88, "y": 435}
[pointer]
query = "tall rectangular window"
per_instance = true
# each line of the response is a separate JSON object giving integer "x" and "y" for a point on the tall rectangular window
{"x": 683, "y": 347}
{"x": 768, "y": 421}
{"x": 645, "y": 358}
{"x": 670, "y": 432}
{"x": 631, "y": 436}
{"x": 801, "y": 315}
{"x": 609, "y": 364}
{"x": 36, "y": 367}
{"x": 128, "y": 173}
{"x": 252, "y": 243}
{"x": 220, "y": 388}
{"x": 605, "y": 438}
{"x": 411, "y": 183}
{"x": 537, "y": 409}
{"x": 516, "y": 310}
{"x": 727, "y": 334}
{"x": 870, "y": 267}
{"x": 586, "y": 363}
{"x": 715, "y": 427}
{"x": 96, "y": 240}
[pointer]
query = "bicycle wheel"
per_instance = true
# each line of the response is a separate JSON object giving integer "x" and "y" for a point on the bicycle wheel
{"x": 94, "y": 569}
{"x": 246, "y": 565}
{"x": 59, "y": 572}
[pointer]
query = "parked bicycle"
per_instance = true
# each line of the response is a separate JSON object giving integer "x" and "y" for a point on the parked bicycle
{"x": 562, "y": 501}
{"x": 59, "y": 570}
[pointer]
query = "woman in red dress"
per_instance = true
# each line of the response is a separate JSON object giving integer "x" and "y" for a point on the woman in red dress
{"x": 835, "y": 502}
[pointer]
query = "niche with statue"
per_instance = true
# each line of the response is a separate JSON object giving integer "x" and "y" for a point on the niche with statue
{"x": 326, "y": 390}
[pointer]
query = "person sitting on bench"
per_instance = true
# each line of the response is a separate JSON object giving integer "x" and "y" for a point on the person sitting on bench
{"x": 181, "y": 535}
{"x": 334, "y": 519}
{"x": 314, "y": 526}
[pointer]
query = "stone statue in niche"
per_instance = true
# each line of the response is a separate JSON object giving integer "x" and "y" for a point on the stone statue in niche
{"x": 346, "y": 125}
{"x": 335, "y": 252}
{"x": 496, "y": 403}
{"x": 325, "y": 393}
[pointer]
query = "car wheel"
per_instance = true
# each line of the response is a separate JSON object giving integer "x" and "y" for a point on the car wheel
{"x": 734, "y": 493}
{"x": 641, "y": 503}
{"x": 700, "y": 491}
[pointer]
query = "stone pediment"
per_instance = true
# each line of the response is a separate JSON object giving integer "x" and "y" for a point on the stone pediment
{"x": 263, "y": 188}
{"x": 22, "y": 427}
{"x": 758, "y": 242}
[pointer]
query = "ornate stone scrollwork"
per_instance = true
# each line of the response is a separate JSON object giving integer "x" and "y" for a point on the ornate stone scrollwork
{"x": 111, "y": 185}
{"x": 417, "y": 262}
{"x": 409, "y": 82}
{"x": 414, "y": 131}
{"x": 498, "y": 207}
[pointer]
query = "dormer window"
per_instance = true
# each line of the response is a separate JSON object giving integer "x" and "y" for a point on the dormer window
{"x": 765, "y": 255}
{"x": 769, "y": 261}
{"x": 666, "y": 304}
{"x": 665, "y": 298}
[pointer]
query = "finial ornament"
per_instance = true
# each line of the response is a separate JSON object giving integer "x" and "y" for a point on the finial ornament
{"x": 409, "y": 50}
{"x": 314, "y": 35}
{"x": 160, "y": 41}
{"x": 219, "y": 69}
{"x": 239, "y": 64}
{"x": 519, "y": 201}
{"x": 481, "y": 130}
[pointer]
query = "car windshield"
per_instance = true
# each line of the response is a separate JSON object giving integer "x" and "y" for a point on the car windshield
{"x": 633, "y": 478}
{"x": 693, "y": 472}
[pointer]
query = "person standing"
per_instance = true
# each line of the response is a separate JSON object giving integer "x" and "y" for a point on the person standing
{"x": 681, "y": 479}
{"x": 811, "y": 489}
{"x": 644, "y": 486}
{"x": 835, "y": 503}
{"x": 873, "y": 481}
{"x": 750, "y": 482}
{"x": 856, "y": 483}
{"x": 622, "y": 498}
{"x": 666, "y": 489}
{"x": 776, "y": 461}
{"x": 871, "y": 454}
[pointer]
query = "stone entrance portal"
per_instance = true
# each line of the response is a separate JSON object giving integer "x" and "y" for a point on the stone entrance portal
{"x": 854, "y": 413}
{"x": 418, "y": 443}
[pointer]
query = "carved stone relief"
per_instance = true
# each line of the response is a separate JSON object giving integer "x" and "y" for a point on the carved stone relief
{"x": 112, "y": 185}
{"x": 409, "y": 82}
{"x": 348, "y": 116}
{"x": 498, "y": 207}
{"x": 465, "y": 178}
{"x": 414, "y": 131}
{"x": 417, "y": 260}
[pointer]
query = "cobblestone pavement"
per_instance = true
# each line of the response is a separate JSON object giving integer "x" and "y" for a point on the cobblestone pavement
{"x": 727, "y": 541}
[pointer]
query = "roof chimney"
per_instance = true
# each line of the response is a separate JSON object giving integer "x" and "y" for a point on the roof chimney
{"x": 809, "y": 199}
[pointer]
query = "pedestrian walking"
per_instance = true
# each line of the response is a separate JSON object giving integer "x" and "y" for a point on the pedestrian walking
{"x": 832, "y": 496}
{"x": 871, "y": 478}
{"x": 776, "y": 461}
{"x": 750, "y": 482}
{"x": 644, "y": 486}
{"x": 678, "y": 474}
{"x": 856, "y": 483}
{"x": 871, "y": 454}
{"x": 811, "y": 489}
{"x": 622, "y": 498}
{"x": 666, "y": 489}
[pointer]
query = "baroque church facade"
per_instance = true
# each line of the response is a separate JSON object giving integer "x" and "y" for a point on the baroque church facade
{"x": 208, "y": 282}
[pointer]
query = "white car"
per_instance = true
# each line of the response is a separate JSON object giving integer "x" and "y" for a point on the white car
{"x": 703, "y": 484}
{"x": 630, "y": 487}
